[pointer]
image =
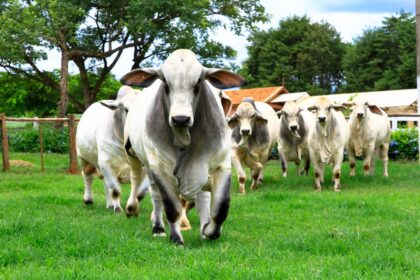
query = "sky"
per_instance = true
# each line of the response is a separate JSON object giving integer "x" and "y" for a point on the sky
{"x": 349, "y": 17}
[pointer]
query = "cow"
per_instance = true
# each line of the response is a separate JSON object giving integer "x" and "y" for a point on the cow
{"x": 178, "y": 134}
{"x": 328, "y": 137}
{"x": 293, "y": 137}
{"x": 369, "y": 131}
{"x": 99, "y": 146}
{"x": 255, "y": 129}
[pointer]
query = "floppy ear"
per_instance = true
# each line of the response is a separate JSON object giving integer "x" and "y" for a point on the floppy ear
{"x": 375, "y": 109}
{"x": 260, "y": 119}
{"x": 141, "y": 77}
{"x": 110, "y": 104}
{"x": 232, "y": 121}
{"x": 223, "y": 79}
{"x": 339, "y": 108}
{"x": 226, "y": 103}
{"x": 348, "y": 103}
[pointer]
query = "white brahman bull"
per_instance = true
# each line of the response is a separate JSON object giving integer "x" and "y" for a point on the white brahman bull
{"x": 99, "y": 145}
{"x": 369, "y": 131}
{"x": 327, "y": 138}
{"x": 255, "y": 130}
{"x": 178, "y": 134}
{"x": 293, "y": 137}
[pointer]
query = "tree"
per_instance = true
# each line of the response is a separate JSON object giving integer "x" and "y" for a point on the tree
{"x": 22, "y": 97}
{"x": 306, "y": 56}
{"x": 383, "y": 58}
{"x": 94, "y": 33}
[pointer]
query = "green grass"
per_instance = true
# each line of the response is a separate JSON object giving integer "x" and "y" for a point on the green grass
{"x": 284, "y": 230}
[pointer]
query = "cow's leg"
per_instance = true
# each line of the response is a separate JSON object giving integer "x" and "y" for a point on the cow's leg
{"x": 319, "y": 173}
{"x": 337, "y": 162}
{"x": 137, "y": 178}
{"x": 108, "y": 197}
{"x": 158, "y": 227}
{"x": 203, "y": 209}
{"x": 372, "y": 164}
{"x": 171, "y": 203}
{"x": 383, "y": 153}
{"x": 283, "y": 162}
{"x": 241, "y": 173}
{"x": 352, "y": 160}
{"x": 368, "y": 152}
{"x": 87, "y": 172}
{"x": 185, "y": 223}
{"x": 307, "y": 165}
{"x": 220, "y": 204}
{"x": 255, "y": 172}
{"x": 261, "y": 176}
{"x": 111, "y": 182}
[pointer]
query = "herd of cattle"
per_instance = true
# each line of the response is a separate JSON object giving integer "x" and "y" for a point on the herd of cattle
{"x": 174, "y": 140}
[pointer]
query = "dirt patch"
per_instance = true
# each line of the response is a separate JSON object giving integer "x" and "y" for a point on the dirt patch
{"x": 20, "y": 163}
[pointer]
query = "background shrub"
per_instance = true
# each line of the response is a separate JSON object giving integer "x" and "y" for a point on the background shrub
{"x": 404, "y": 144}
{"x": 26, "y": 139}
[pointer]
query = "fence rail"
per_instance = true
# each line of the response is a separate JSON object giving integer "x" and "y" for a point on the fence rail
{"x": 71, "y": 123}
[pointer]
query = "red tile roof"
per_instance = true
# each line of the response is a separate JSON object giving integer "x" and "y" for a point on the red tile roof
{"x": 258, "y": 94}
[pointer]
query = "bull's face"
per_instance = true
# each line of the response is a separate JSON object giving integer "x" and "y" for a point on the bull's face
{"x": 323, "y": 108}
{"x": 183, "y": 80}
{"x": 290, "y": 116}
{"x": 361, "y": 107}
{"x": 246, "y": 118}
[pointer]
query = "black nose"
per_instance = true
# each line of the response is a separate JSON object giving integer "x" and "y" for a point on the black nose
{"x": 181, "y": 120}
{"x": 321, "y": 119}
{"x": 293, "y": 127}
{"x": 360, "y": 115}
{"x": 245, "y": 132}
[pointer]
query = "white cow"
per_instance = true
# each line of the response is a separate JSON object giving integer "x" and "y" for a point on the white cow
{"x": 327, "y": 138}
{"x": 99, "y": 145}
{"x": 293, "y": 137}
{"x": 255, "y": 130}
{"x": 369, "y": 131}
{"x": 178, "y": 132}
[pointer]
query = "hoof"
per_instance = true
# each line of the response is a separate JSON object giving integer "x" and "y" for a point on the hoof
{"x": 177, "y": 239}
{"x": 88, "y": 202}
{"x": 185, "y": 228}
{"x": 118, "y": 210}
{"x": 212, "y": 236}
{"x": 158, "y": 230}
{"x": 131, "y": 211}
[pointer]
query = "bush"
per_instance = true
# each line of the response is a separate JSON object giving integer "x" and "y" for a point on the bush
{"x": 404, "y": 144}
{"x": 27, "y": 139}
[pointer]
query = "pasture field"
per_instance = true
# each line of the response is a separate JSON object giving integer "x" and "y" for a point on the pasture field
{"x": 284, "y": 230}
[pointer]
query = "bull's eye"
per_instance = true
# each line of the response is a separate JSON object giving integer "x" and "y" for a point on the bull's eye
{"x": 329, "y": 108}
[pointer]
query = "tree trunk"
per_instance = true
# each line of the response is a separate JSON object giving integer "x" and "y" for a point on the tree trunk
{"x": 62, "y": 104}
{"x": 84, "y": 82}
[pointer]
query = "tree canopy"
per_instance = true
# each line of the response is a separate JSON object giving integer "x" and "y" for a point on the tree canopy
{"x": 305, "y": 56}
{"x": 94, "y": 33}
{"x": 383, "y": 58}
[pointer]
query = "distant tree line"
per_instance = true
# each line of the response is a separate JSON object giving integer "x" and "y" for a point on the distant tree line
{"x": 304, "y": 55}
{"x": 311, "y": 57}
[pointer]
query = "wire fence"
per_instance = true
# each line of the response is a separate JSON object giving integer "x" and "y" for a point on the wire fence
{"x": 70, "y": 122}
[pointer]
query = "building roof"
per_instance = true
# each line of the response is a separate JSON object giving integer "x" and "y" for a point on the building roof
{"x": 296, "y": 96}
{"x": 258, "y": 94}
{"x": 389, "y": 98}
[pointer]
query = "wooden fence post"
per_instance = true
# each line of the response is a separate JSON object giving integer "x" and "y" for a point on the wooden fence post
{"x": 5, "y": 143}
{"x": 72, "y": 141}
{"x": 41, "y": 147}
